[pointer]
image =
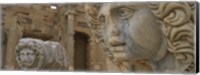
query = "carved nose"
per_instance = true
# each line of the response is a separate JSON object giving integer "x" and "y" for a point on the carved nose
{"x": 115, "y": 32}
{"x": 115, "y": 36}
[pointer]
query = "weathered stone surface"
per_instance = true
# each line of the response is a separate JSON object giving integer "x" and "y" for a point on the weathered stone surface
{"x": 35, "y": 54}
{"x": 119, "y": 37}
{"x": 145, "y": 37}
{"x": 39, "y": 21}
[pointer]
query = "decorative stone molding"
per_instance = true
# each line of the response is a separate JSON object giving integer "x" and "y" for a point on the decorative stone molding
{"x": 71, "y": 11}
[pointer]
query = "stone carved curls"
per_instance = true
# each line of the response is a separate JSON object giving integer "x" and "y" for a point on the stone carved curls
{"x": 177, "y": 21}
{"x": 95, "y": 25}
{"x": 177, "y": 24}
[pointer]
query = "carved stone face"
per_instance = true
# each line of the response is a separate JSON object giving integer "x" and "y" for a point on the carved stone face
{"x": 27, "y": 57}
{"x": 132, "y": 27}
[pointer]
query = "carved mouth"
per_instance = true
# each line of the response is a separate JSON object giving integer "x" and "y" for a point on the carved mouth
{"x": 118, "y": 51}
{"x": 116, "y": 45}
{"x": 120, "y": 47}
{"x": 27, "y": 63}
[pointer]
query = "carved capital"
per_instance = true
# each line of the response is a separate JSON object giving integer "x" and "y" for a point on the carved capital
{"x": 70, "y": 12}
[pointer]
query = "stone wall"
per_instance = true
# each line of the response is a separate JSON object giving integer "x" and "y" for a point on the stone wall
{"x": 42, "y": 22}
{"x": 121, "y": 37}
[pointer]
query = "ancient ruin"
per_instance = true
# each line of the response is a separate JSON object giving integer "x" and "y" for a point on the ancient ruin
{"x": 104, "y": 37}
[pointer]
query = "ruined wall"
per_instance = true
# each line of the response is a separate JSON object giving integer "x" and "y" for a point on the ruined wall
{"x": 42, "y": 22}
{"x": 121, "y": 37}
{"x": 33, "y": 21}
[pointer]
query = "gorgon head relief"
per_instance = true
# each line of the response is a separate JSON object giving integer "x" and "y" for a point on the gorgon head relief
{"x": 149, "y": 32}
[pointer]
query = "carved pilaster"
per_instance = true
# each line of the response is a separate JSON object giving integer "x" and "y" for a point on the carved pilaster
{"x": 1, "y": 50}
{"x": 13, "y": 35}
{"x": 70, "y": 34}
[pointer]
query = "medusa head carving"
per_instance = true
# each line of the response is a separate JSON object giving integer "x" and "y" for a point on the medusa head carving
{"x": 35, "y": 54}
{"x": 158, "y": 35}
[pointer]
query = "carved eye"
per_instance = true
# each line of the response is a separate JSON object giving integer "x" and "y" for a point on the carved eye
{"x": 124, "y": 13}
{"x": 102, "y": 19}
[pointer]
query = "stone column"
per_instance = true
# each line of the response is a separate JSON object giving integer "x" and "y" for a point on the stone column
{"x": 13, "y": 33}
{"x": 13, "y": 36}
{"x": 1, "y": 40}
{"x": 70, "y": 35}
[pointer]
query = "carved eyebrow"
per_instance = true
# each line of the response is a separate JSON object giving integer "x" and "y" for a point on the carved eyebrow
{"x": 134, "y": 6}
{"x": 126, "y": 5}
{"x": 114, "y": 9}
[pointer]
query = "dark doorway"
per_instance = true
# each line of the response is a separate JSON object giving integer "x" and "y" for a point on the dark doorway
{"x": 80, "y": 53}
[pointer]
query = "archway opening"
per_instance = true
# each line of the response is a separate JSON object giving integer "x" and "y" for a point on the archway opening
{"x": 81, "y": 52}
